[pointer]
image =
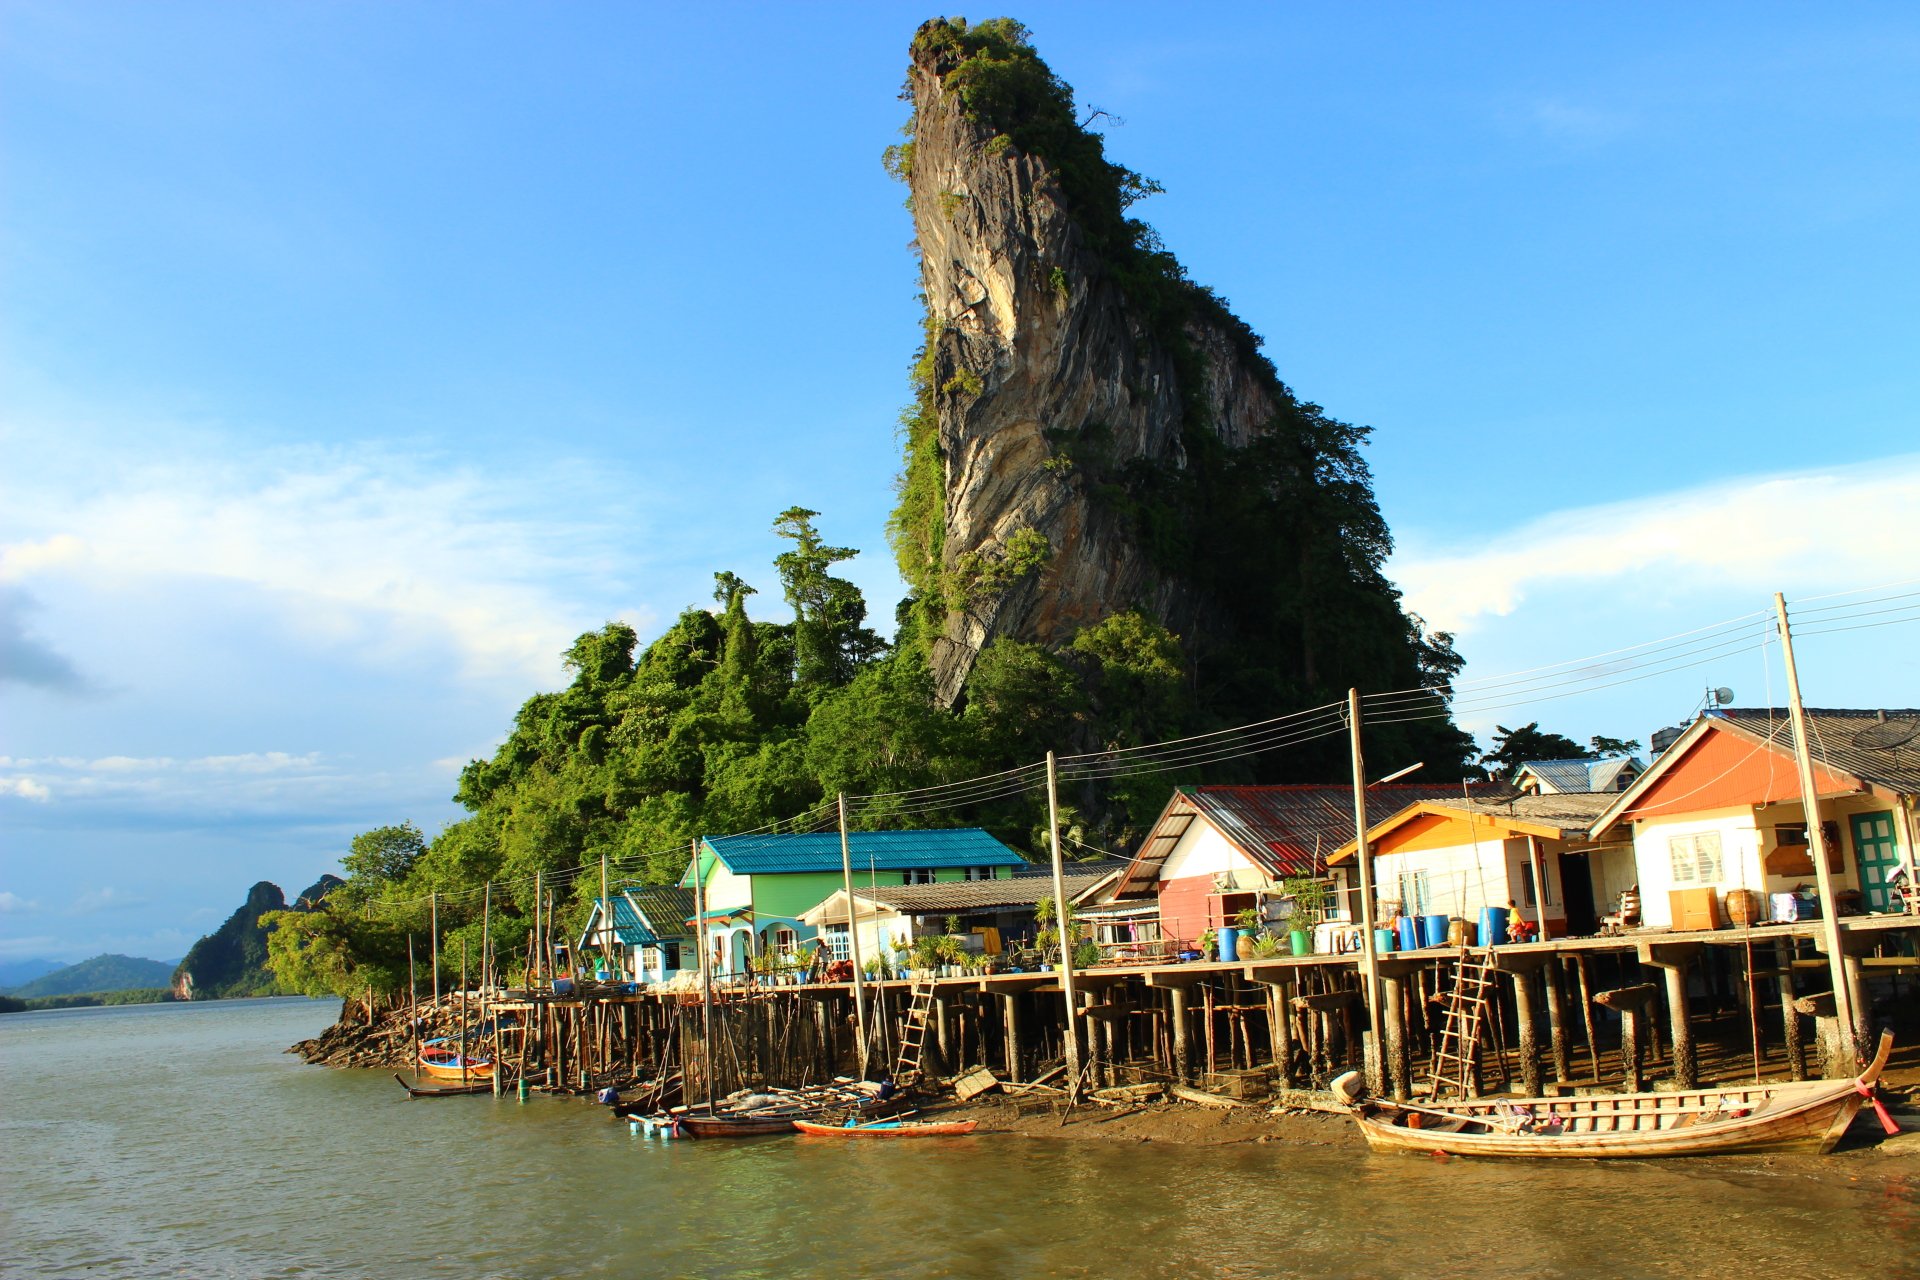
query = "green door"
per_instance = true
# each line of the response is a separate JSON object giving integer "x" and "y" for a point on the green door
{"x": 1878, "y": 852}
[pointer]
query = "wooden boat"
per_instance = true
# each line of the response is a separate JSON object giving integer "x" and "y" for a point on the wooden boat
{"x": 723, "y": 1125}
{"x": 441, "y": 1060}
{"x": 448, "y": 1091}
{"x": 1697, "y": 1122}
{"x": 889, "y": 1129}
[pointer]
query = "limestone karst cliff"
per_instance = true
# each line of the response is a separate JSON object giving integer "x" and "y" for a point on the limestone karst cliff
{"x": 1095, "y": 432}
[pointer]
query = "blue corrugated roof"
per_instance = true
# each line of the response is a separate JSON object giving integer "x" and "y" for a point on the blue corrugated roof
{"x": 662, "y": 913}
{"x": 881, "y": 850}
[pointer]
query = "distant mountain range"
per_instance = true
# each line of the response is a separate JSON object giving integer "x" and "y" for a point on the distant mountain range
{"x": 14, "y": 973}
{"x": 102, "y": 973}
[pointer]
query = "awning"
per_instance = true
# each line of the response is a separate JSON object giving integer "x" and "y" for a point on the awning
{"x": 834, "y": 910}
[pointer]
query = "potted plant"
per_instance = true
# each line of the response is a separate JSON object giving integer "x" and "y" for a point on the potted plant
{"x": 1309, "y": 897}
{"x": 1206, "y": 943}
{"x": 1247, "y": 921}
{"x": 1264, "y": 946}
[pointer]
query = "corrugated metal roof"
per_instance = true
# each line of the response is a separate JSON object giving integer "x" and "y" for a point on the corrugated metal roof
{"x": 1877, "y": 746}
{"x": 1582, "y": 775}
{"x": 644, "y": 914}
{"x": 1286, "y": 830}
{"x": 878, "y": 850}
{"x": 980, "y": 895}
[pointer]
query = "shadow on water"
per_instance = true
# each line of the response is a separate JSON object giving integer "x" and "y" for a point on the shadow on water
{"x": 180, "y": 1140}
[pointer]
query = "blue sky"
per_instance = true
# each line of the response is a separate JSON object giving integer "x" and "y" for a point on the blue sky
{"x": 355, "y": 357}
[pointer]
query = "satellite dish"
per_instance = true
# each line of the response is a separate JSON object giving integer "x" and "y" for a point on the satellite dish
{"x": 1887, "y": 735}
{"x": 1722, "y": 696}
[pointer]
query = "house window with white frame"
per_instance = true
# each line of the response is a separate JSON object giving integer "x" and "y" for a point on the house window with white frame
{"x": 1696, "y": 858}
{"x": 838, "y": 947}
{"x": 917, "y": 875}
{"x": 979, "y": 873}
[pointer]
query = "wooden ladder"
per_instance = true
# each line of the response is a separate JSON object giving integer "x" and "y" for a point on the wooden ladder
{"x": 1456, "y": 1056}
{"x": 913, "y": 1035}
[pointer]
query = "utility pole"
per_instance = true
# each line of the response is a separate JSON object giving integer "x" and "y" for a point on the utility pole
{"x": 706, "y": 976}
{"x": 1376, "y": 1061}
{"x": 853, "y": 938}
{"x": 1817, "y": 839}
{"x": 607, "y": 936}
{"x": 1072, "y": 1037}
{"x": 433, "y": 900}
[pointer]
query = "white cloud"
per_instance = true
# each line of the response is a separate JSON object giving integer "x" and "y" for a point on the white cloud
{"x": 105, "y": 899}
{"x": 25, "y": 789}
{"x": 14, "y": 904}
{"x": 1840, "y": 527}
{"x": 364, "y": 548}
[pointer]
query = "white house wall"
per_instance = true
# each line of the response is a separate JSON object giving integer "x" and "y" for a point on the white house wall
{"x": 1740, "y": 865}
{"x": 1461, "y": 879}
{"x": 1203, "y": 851}
{"x": 726, "y": 889}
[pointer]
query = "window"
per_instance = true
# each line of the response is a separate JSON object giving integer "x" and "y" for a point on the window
{"x": 837, "y": 945}
{"x": 1695, "y": 858}
{"x": 917, "y": 875}
{"x": 672, "y": 950}
{"x": 979, "y": 873}
{"x": 784, "y": 939}
{"x": 1413, "y": 893}
{"x": 1526, "y": 883}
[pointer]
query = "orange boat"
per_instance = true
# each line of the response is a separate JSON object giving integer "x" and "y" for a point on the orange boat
{"x": 889, "y": 1129}
{"x": 442, "y": 1061}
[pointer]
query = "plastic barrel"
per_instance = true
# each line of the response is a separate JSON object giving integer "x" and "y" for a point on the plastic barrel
{"x": 1409, "y": 934}
{"x": 1433, "y": 931}
{"x": 1493, "y": 925}
{"x": 1382, "y": 940}
{"x": 1229, "y": 940}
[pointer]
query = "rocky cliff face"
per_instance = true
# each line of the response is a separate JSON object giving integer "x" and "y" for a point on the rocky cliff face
{"x": 1043, "y": 370}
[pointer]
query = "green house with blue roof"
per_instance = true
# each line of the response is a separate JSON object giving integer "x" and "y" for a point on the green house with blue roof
{"x": 651, "y": 937}
{"x": 758, "y": 886}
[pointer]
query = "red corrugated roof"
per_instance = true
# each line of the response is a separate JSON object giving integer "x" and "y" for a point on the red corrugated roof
{"x": 1286, "y": 830}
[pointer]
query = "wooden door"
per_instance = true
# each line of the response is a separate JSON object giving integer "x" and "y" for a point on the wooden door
{"x": 1878, "y": 852}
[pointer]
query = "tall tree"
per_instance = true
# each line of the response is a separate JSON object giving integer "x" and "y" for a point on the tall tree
{"x": 829, "y": 641}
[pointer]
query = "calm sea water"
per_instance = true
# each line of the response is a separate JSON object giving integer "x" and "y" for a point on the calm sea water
{"x": 178, "y": 1140}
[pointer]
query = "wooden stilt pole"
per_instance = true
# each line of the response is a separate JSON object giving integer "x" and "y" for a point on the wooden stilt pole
{"x": 434, "y": 907}
{"x": 1070, "y": 1039}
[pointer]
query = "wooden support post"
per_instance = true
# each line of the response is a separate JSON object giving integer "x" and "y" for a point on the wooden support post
{"x": 1526, "y": 1035}
{"x": 1860, "y": 1004}
{"x": 1557, "y": 1020}
{"x": 1396, "y": 1033}
{"x": 1586, "y": 1014}
{"x": 1010, "y": 1012}
{"x": 1182, "y": 1052}
{"x": 1631, "y": 1004}
{"x": 1672, "y": 960}
{"x": 1789, "y": 1016}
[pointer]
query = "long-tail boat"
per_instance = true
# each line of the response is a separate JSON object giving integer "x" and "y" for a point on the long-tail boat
{"x": 441, "y": 1060}
{"x": 1694, "y": 1122}
{"x": 889, "y": 1128}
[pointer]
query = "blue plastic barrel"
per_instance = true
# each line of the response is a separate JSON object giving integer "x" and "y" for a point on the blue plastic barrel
{"x": 1229, "y": 939}
{"x": 1493, "y": 925}
{"x": 1433, "y": 931}
{"x": 1409, "y": 933}
{"x": 1382, "y": 940}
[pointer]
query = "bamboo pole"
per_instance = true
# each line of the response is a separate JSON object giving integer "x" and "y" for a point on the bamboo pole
{"x": 1071, "y": 1039}
{"x": 434, "y": 901}
{"x": 706, "y": 977}
{"x": 413, "y": 1005}
{"x": 853, "y": 937}
{"x": 1817, "y": 842}
{"x": 539, "y": 938}
{"x": 1374, "y": 1060}
{"x": 463, "y": 1011}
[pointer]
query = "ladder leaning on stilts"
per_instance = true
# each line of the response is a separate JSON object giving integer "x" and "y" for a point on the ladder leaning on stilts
{"x": 1456, "y": 1056}
{"x": 913, "y": 1035}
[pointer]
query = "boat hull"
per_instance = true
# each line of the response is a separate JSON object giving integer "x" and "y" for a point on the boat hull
{"x": 735, "y": 1126}
{"x": 1802, "y": 1115}
{"x": 906, "y": 1129}
{"x": 446, "y": 1065}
